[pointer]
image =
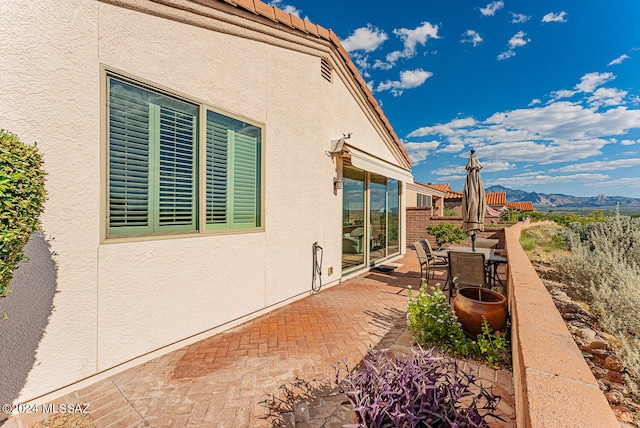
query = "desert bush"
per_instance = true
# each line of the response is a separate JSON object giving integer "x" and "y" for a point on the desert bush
{"x": 603, "y": 270}
{"x": 446, "y": 233}
{"x": 21, "y": 201}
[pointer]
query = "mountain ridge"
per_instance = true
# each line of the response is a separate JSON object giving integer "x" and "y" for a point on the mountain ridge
{"x": 559, "y": 200}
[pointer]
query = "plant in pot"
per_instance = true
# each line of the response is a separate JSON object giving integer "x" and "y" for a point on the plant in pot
{"x": 420, "y": 390}
{"x": 472, "y": 305}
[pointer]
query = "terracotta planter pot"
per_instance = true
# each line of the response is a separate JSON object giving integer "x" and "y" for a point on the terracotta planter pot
{"x": 473, "y": 303}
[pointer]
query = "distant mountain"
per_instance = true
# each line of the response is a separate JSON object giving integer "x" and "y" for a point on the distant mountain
{"x": 551, "y": 200}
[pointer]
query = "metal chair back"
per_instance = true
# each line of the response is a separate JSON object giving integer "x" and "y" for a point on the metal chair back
{"x": 466, "y": 269}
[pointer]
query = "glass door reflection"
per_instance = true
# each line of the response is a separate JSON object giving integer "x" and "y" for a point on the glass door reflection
{"x": 353, "y": 218}
{"x": 377, "y": 217}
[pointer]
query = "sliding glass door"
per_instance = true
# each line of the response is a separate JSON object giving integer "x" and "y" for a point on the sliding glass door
{"x": 370, "y": 218}
{"x": 377, "y": 217}
{"x": 354, "y": 240}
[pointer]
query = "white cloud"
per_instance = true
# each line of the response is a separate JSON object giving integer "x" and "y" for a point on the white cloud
{"x": 590, "y": 81}
{"x": 453, "y": 170}
{"x": 588, "y": 84}
{"x": 411, "y": 38}
{"x": 517, "y": 18}
{"x": 366, "y": 39}
{"x": 629, "y": 142}
{"x": 497, "y": 165}
{"x": 622, "y": 184}
{"x": 506, "y": 55}
{"x": 408, "y": 79}
{"x": 471, "y": 36}
{"x": 491, "y": 8}
{"x": 535, "y": 101}
{"x": 547, "y": 134}
{"x": 555, "y": 17}
{"x": 381, "y": 65}
{"x": 606, "y": 165}
{"x": 562, "y": 93}
{"x": 446, "y": 129}
{"x": 605, "y": 97}
{"x": 418, "y": 152}
{"x": 518, "y": 40}
{"x": 619, "y": 60}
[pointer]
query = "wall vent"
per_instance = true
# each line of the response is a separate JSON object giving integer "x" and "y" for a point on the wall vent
{"x": 325, "y": 70}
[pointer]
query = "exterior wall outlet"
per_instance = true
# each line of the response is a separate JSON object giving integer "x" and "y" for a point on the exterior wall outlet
{"x": 330, "y": 271}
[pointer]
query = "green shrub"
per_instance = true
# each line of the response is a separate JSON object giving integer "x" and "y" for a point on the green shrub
{"x": 448, "y": 212}
{"x": 22, "y": 196}
{"x": 604, "y": 271}
{"x": 446, "y": 233}
{"x": 432, "y": 322}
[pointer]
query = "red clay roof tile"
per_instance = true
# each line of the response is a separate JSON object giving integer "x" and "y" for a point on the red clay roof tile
{"x": 323, "y": 32}
{"x": 283, "y": 17}
{"x": 521, "y": 206}
{"x": 311, "y": 28}
{"x": 246, "y": 4}
{"x": 444, "y": 187}
{"x": 496, "y": 198}
{"x": 297, "y": 23}
{"x": 265, "y": 10}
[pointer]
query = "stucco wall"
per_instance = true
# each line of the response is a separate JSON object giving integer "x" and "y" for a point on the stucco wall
{"x": 117, "y": 301}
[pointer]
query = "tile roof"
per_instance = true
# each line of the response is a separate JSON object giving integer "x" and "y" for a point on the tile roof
{"x": 277, "y": 15}
{"x": 445, "y": 187}
{"x": 496, "y": 198}
{"x": 521, "y": 206}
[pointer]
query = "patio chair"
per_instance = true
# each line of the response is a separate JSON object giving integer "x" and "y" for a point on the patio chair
{"x": 428, "y": 263}
{"x": 466, "y": 269}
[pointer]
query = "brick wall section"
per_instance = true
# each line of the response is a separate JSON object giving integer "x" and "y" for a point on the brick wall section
{"x": 553, "y": 385}
{"x": 418, "y": 218}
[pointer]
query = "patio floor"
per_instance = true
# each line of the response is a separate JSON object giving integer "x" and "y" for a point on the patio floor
{"x": 221, "y": 381}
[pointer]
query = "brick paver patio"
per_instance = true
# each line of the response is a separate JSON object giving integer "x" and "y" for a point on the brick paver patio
{"x": 221, "y": 381}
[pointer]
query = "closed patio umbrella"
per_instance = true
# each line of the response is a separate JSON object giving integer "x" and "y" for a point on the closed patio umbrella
{"x": 473, "y": 200}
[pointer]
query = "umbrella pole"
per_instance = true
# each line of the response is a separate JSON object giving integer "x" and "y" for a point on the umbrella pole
{"x": 473, "y": 242}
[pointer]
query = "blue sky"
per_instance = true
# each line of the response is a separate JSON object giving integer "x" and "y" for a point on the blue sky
{"x": 547, "y": 92}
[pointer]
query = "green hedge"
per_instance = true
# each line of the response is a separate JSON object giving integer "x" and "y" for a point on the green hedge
{"x": 22, "y": 197}
{"x": 446, "y": 233}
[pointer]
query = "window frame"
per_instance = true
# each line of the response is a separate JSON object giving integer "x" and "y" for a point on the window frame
{"x": 201, "y": 228}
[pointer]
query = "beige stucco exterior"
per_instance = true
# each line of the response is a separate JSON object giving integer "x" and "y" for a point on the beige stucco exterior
{"x": 117, "y": 301}
{"x": 415, "y": 188}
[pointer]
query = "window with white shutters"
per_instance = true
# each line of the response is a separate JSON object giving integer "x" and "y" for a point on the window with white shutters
{"x": 153, "y": 157}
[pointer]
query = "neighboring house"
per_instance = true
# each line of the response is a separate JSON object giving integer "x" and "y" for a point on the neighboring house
{"x": 194, "y": 157}
{"x": 496, "y": 200}
{"x": 425, "y": 195}
{"x": 520, "y": 206}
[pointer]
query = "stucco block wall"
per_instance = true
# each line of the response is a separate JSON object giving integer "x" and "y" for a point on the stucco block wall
{"x": 419, "y": 218}
{"x": 553, "y": 385}
{"x": 117, "y": 301}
